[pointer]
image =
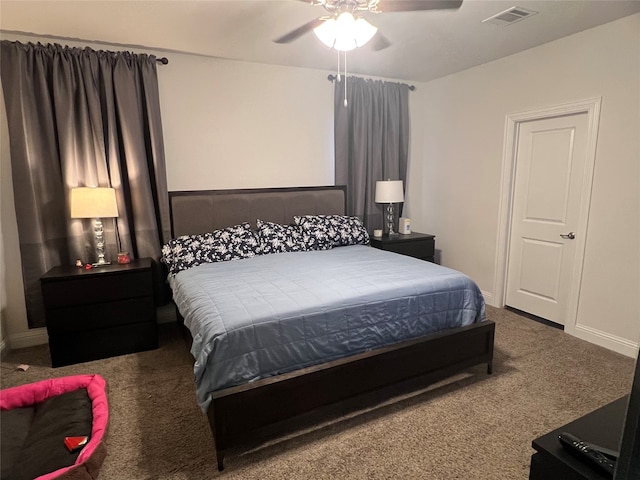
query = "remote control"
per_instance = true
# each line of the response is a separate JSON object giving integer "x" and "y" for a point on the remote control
{"x": 584, "y": 450}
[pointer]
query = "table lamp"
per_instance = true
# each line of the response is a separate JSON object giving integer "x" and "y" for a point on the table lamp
{"x": 389, "y": 192}
{"x": 96, "y": 203}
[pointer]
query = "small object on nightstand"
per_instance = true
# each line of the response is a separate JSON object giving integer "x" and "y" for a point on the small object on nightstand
{"x": 123, "y": 258}
{"x": 88, "y": 266}
{"x": 377, "y": 232}
{"x": 405, "y": 225}
{"x": 79, "y": 263}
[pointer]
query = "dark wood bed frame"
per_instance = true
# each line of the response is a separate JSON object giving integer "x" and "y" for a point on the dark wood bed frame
{"x": 235, "y": 412}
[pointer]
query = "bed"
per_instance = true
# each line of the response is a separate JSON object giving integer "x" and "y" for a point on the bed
{"x": 276, "y": 335}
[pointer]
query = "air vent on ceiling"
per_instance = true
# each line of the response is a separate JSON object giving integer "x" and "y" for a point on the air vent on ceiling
{"x": 509, "y": 16}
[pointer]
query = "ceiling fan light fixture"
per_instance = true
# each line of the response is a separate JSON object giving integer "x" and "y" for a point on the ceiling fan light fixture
{"x": 327, "y": 32}
{"x": 364, "y": 31}
{"x": 345, "y": 43}
{"x": 345, "y": 32}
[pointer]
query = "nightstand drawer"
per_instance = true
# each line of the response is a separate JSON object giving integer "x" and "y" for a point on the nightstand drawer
{"x": 98, "y": 288}
{"x": 93, "y": 317}
{"x": 78, "y": 347}
{"x": 418, "y": 249}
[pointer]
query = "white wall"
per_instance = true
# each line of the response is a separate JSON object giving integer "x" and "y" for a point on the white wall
{"x": 459, "y": 189}
{"x": 230, "y": 124}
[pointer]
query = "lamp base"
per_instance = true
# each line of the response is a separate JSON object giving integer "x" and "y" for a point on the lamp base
{"x": 390, "y": 220}
{"x": 99, "y": 244}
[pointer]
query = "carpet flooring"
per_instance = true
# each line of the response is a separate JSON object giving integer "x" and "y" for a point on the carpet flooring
{"x": 471, "y": 426}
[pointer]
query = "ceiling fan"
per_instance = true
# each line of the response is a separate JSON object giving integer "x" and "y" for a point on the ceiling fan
{"x": 344, "y": 16}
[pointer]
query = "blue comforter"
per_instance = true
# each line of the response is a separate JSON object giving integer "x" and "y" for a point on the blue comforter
{"x": 271, "y": 314}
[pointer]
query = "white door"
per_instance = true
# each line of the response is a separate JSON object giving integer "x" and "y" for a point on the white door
{"x": 550, "y": 158}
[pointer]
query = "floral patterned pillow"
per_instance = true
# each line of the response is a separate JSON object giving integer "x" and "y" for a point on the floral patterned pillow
{"x": 339, "y": 230}
{"x": 230, "y": 243}
{"x": 276, "y": 238}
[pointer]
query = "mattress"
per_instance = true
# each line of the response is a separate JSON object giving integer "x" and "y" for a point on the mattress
{"x": 271, "y": 314}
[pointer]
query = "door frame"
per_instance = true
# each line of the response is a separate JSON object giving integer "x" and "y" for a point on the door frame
{"x": 590, "y": 107}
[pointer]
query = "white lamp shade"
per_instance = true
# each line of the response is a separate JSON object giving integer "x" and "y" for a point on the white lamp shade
{"x": 345, "y": 32}
{"x": 98, "y": 202}
{"x": 326, "y": 32}
{"x": 389, "y": 191}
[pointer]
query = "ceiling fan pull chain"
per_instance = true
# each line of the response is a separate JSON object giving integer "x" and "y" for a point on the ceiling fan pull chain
{"x": 345, "y": 79}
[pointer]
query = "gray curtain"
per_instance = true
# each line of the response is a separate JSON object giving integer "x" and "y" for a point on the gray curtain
{"x": 80, "y": 117}
{"x": 371, "y": 142}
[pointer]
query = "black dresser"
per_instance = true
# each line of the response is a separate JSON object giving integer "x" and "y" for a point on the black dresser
{"x": 99, "y": 313}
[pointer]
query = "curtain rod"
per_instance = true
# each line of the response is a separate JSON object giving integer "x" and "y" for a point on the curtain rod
{"x": 163, "y": 60}
{"x": 332, "y": 77}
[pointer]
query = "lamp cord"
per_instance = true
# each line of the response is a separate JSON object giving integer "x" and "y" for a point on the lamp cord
{"x": 115, "y": 221}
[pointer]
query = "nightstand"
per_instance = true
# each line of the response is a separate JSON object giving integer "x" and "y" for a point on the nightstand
{"x": 99, "y": 313}
{"x": 418, "y": 245}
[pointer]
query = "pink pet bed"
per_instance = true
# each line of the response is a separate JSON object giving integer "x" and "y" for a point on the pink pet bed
{"x": 37, "y": 417}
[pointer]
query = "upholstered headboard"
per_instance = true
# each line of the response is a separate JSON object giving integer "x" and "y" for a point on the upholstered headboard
{"x": 202, "y": 211}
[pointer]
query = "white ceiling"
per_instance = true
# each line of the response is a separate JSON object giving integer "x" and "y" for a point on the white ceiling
{"x": 425, "y": 45}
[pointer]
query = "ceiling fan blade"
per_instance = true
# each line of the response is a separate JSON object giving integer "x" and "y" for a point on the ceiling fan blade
{"x": 417, "y": 5}
{"x": 298, "y": 32}
{"x": 379, "y": 42}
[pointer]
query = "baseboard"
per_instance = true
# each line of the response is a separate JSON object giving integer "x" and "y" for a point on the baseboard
{"x": 606, "y": 340}
{"x": 30, "y": 338}
{"x": 488, "y": 298}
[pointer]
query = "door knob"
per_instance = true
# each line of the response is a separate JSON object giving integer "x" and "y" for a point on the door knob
{"x": 569, "y": 235}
